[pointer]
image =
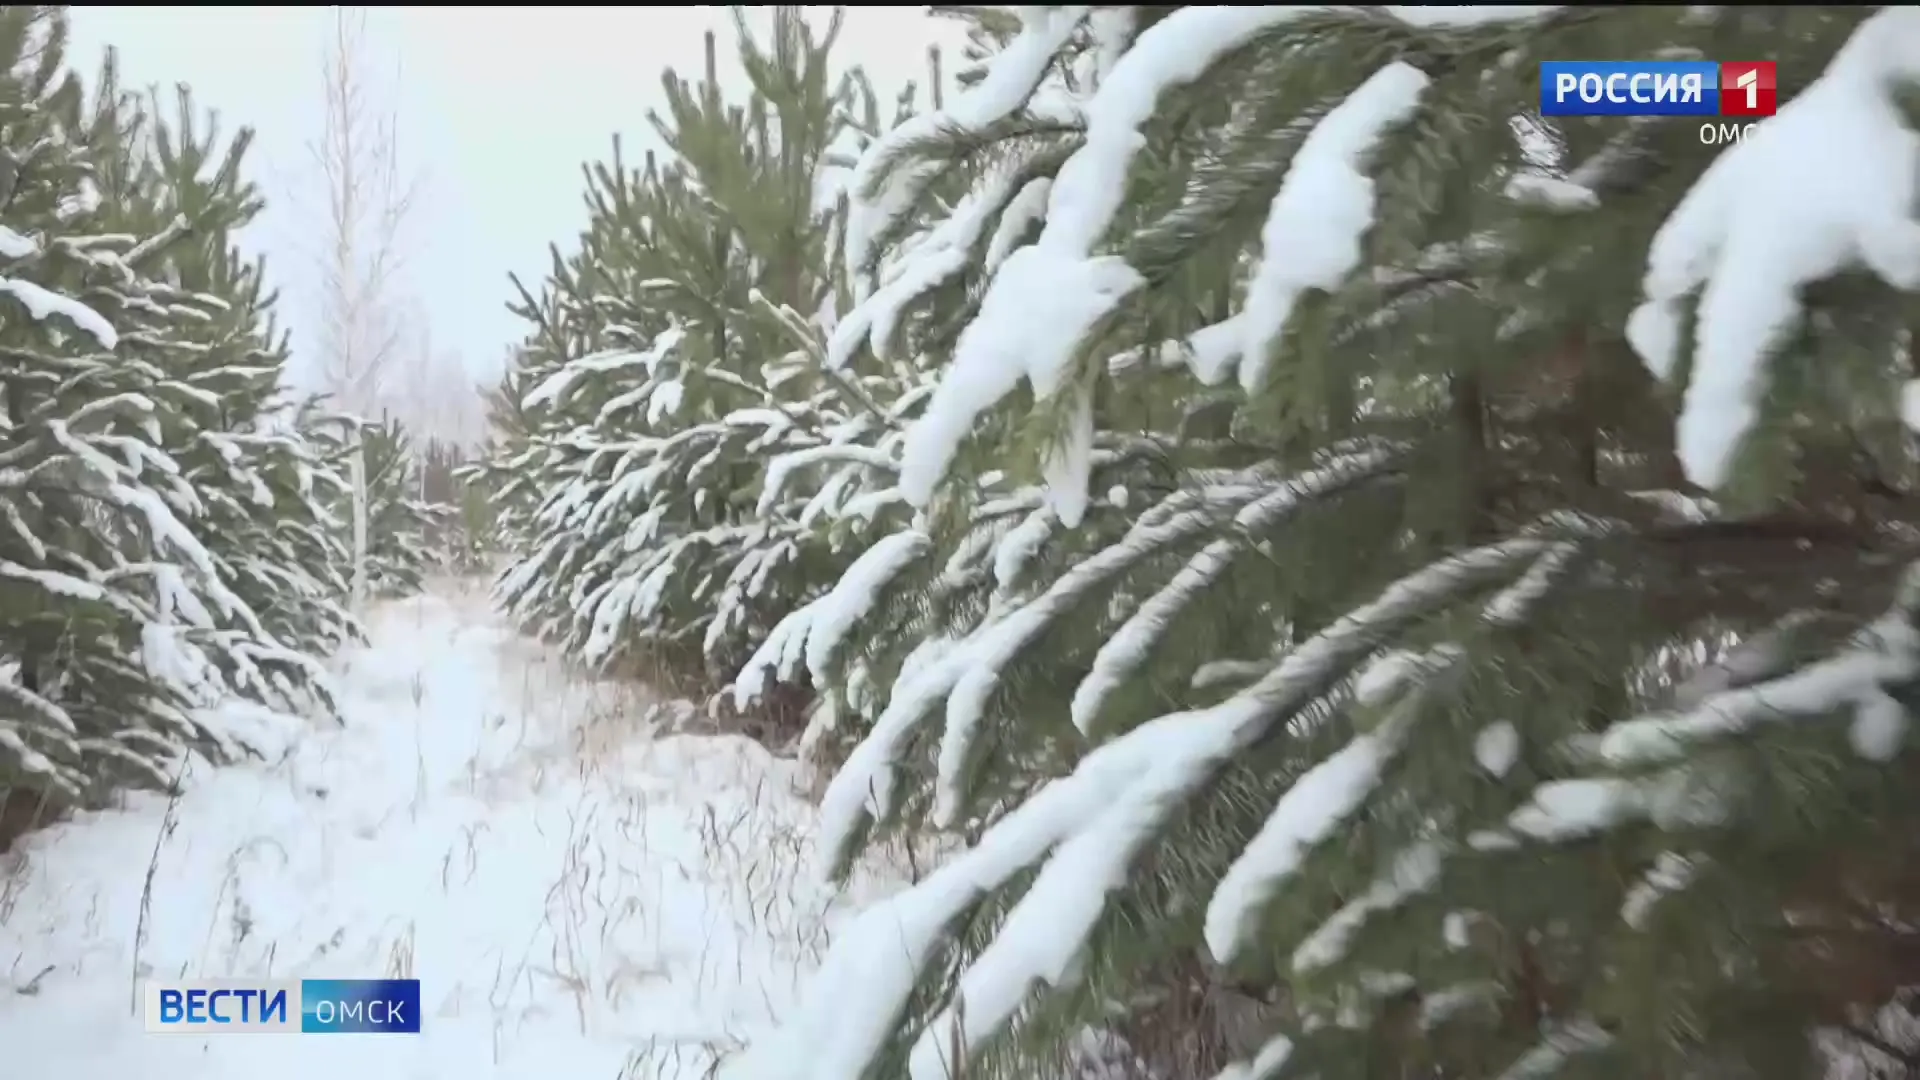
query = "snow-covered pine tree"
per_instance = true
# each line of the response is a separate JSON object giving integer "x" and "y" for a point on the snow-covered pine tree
{"x": 464, "y": 526}
{"x": 923, "y": 240}
{"x": 401, "y": 526}
{"x": 678, "y": 354}
{"x": 262, "y": 488}
{"x": 404, "y": 531}
{"x": 1512, "y": 676}
{"x": 108, "y": 593}
{"x": 510, "y": 496}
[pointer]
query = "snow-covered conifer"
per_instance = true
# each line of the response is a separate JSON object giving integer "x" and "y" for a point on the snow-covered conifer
{"x": 263, "y": 488}
{"x": 697, "y": 469}
{"x": 1463, "y": 589}
{"x": 405, "y": 532}
{"x": 121, "y": 623}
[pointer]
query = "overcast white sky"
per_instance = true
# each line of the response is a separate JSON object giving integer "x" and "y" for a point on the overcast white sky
{"x": 499, "y": 106}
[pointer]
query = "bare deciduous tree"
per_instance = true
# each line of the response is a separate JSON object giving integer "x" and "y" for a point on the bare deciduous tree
{"x": 367, "y": 199}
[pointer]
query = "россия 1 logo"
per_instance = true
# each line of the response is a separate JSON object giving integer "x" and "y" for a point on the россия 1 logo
{"x": 1657, "y": 88}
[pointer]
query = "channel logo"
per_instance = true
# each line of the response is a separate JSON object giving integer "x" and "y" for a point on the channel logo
{"x": 318, "y": 1006}
{"x": 1658, "y": 88}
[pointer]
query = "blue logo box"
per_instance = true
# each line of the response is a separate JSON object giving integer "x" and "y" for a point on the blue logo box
{"x": 359, "y": 1006}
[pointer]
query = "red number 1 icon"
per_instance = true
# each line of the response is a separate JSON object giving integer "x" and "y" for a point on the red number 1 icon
{"x": 1748, "y": 89}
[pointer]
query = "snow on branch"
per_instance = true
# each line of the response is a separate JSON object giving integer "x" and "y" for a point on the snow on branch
{"x": 1325, "y": 206}
{"x": 1857, "y": 678}
{"x": 884, "y": 188}
{"x": 44, "y": 303}
{"x": 1332, "y": 791}
{"x": 1027, "y": 206}
{"x": 942, "y": 255}
{"x": 997, "y": 644}
{"x": 1049, "y": 296}
{"x": 1271, "y": 1056}
{"x": 1559, "y": 1043}
{"x": 1094, "y": 822}
{"x": 1887, "y": 652}
{"x": 1413, "y": 872}
{"x": 1308, "y": 814}
{"x": 554, "y": 389}
{"x": 1128, "y": 647}
{"x": 1460, "y": 16}
{"x": 1049, "y": 926}
{"x": 1033, "y": 318}
{"x": 15, "y": 246}
{"x": 1017, "y": 547}
{"x": 814, "y": 632}
{"x": 782, "y": 467}
{"x": 860, "y": 991}
{"x": 862, "y": 790}
{"x": 1173, "y": 52}
{"x": 1824, "y": 184}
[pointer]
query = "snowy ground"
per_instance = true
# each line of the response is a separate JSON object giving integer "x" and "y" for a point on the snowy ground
{"x": 579, "y": 898}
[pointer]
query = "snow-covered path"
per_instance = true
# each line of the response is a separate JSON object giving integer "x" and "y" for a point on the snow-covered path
{"x": 579, "y": 899}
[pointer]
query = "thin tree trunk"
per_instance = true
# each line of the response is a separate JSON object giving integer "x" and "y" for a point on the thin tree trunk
{"x": 357, "y": 468}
